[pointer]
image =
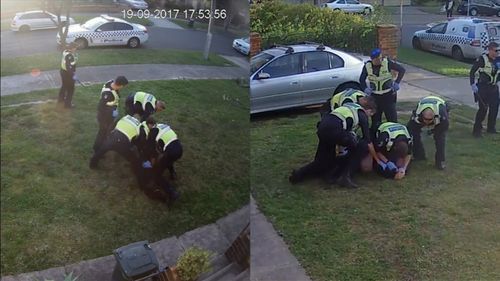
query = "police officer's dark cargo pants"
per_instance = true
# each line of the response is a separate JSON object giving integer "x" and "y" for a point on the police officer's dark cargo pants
{"x": 440, "y": 130}
{"x": 67, "y": 88}
{"x": 330, "y": 134}
{"x": 106, "y": 125}
{"x": 488, "y": 100}
{"x": 173, "y": 152}
{"x": 386, "y": 104}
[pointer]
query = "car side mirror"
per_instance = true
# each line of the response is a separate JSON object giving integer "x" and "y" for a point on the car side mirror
{"x": 428, "y": 31}
{"x": 98, "y": 30}
{"x": 263, "y": 75}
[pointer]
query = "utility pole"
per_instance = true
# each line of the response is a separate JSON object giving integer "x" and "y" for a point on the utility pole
{"x": 208, "y": 42}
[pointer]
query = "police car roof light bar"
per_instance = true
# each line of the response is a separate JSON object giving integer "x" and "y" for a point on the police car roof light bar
{"x": 106, "y": 17}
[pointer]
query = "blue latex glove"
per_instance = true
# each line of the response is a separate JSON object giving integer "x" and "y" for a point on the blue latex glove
{"x": 395, "y": 86}
{"x": 75, "y": 77}
{"x": 368, "y": 91}
{"x": 115, "y": 113}
{"x": 147, "y": 165}
{"x": 382, "y": 165}
{"x": 391, "y": 166}
{"x": 474, "y": 88}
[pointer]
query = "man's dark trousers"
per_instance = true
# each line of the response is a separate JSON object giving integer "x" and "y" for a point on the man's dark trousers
{"x": 488, "y": 100}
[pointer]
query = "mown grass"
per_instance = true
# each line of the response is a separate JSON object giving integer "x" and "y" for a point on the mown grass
{"x": 433, "y": 62}
{"x": 109, "y": 56}
{"x": 433, "y": 225}
{"x": 56, "y": 211}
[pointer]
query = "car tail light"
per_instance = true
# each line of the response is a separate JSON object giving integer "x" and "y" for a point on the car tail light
{"x": 476, "y": 43}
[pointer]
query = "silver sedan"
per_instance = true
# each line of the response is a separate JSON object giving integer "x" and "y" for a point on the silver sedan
{"x": 300, "y": 75}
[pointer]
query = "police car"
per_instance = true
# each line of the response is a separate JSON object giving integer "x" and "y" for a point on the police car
{"x": 461, "y": 38}
{"x": 106, "y": 31}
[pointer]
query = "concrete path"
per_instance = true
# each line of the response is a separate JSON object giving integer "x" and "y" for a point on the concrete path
{"x": 270, "y": 259}
{"x": 165, "y": 24}
{"x": 215, "y": 237}
{"x": 51, "y": 79}
{"x": 242, "y": 62}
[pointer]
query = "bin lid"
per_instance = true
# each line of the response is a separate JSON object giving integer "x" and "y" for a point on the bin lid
{"x": 136, "y": 259}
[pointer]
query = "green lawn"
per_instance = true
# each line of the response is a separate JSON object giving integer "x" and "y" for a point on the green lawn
{"x": 433, "y": 62}
{"x": 432, "y": 225}
{"x": 56, "y": 211}
{"x": 108, "y": 56}
{"x": 434, "y": 7}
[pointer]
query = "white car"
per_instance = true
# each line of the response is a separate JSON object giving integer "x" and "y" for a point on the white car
{"x": 350, "y": 6}
{"x": 135, "y": 4}
{"x": 106, "y": 31}
{"x": 242, "y": 45}
{"x": 33, "y": 20}
{"x": 460, "y": 38}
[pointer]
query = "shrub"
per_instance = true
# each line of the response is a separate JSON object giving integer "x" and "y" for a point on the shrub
{"x": 282, "y": 23}
{"x": 193, "y": 262}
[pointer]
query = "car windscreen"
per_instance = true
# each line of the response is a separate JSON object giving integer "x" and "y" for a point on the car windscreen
{"x": 259, "y": 60}
{"x": 93, "y": 23}
{"x": 246, "y": 40}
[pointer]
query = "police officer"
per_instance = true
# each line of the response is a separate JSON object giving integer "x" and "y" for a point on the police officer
{"x": 346, "y": 96}
{"x": 432, "y": 113}
{"x": 381, "y": 86}
{"x": 143, "y": 104}
{"x": 68, "y": 76}
{"x": 337, "y": 128}
{"x": 393, "y": 144}
{"x": 486, "y": 90}
{"x": 107, "y": 109}
{"x": 166, "y": 150}
{"x": 129, "y": 132}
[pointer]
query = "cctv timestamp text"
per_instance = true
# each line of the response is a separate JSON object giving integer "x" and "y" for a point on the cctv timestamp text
{"x": 194, "y": 14}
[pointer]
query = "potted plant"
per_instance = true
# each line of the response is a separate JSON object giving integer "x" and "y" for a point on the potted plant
{"x": 190, "y": 265}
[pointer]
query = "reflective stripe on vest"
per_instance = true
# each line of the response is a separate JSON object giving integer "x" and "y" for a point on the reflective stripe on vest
{"x": 394, "y": 130}
{"x": 348, "y": 110}
{"x": 144, "y": 99}
{"x": 129, "y": 126}
{"x": 346, "y": 96}
{"x": 384, "y": 76}
{"x": 146, "y": 128}
{"x": 63, "y": 60}
{"x": 488, "y": 70}
{"x": 433, "y": 103}
{"x": 115, "y": 95}
{"x": 166, "y": 134}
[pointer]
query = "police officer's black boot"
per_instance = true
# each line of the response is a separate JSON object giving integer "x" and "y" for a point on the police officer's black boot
{"x": 173, "y": 195}
{"x": 294, "y": 177}
{"x": 346, "y": 181}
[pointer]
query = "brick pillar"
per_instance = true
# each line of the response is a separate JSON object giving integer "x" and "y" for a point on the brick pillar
{"x": 255, "y": 43}
{"x": 388, "y": 40}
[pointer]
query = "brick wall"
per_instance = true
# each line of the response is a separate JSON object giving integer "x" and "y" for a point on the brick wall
{"x": 388, "y": 40}
{"x": 255, "y": 43}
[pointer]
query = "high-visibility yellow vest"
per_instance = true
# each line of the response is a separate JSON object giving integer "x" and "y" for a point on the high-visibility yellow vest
{"x": 379, "y": 84}
{"x": 146, "y": 128}
{"x": 488, "y": 70}
{"x": 346, "y": 96}
{"x": 433, "y": 103}
{"x": 348, "y": 110}
{"x": 144, "y": 99}
{"x": 129, "y": 126}
{"x": 394, "y": 130}
{"x": 115, "y": 102}
{"x": 63, "y": 60}
{"x": 166, "y": 134}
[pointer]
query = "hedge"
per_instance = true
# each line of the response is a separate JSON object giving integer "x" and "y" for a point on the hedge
{"x": 283, "y": 23}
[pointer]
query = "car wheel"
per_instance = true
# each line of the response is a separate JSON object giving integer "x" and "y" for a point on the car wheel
{"x": 457, "y": 54}
{"x": 415, "y": 42}
{"x": 347, "y": 86}
{"x": 367, "y": 11}
{"x": 337, "y": 9}
{"x": 82, "y": 43}
{"x": 473, "y": 12}
{"x": 133, "y": 42}
{"x": 24, "y": 28}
